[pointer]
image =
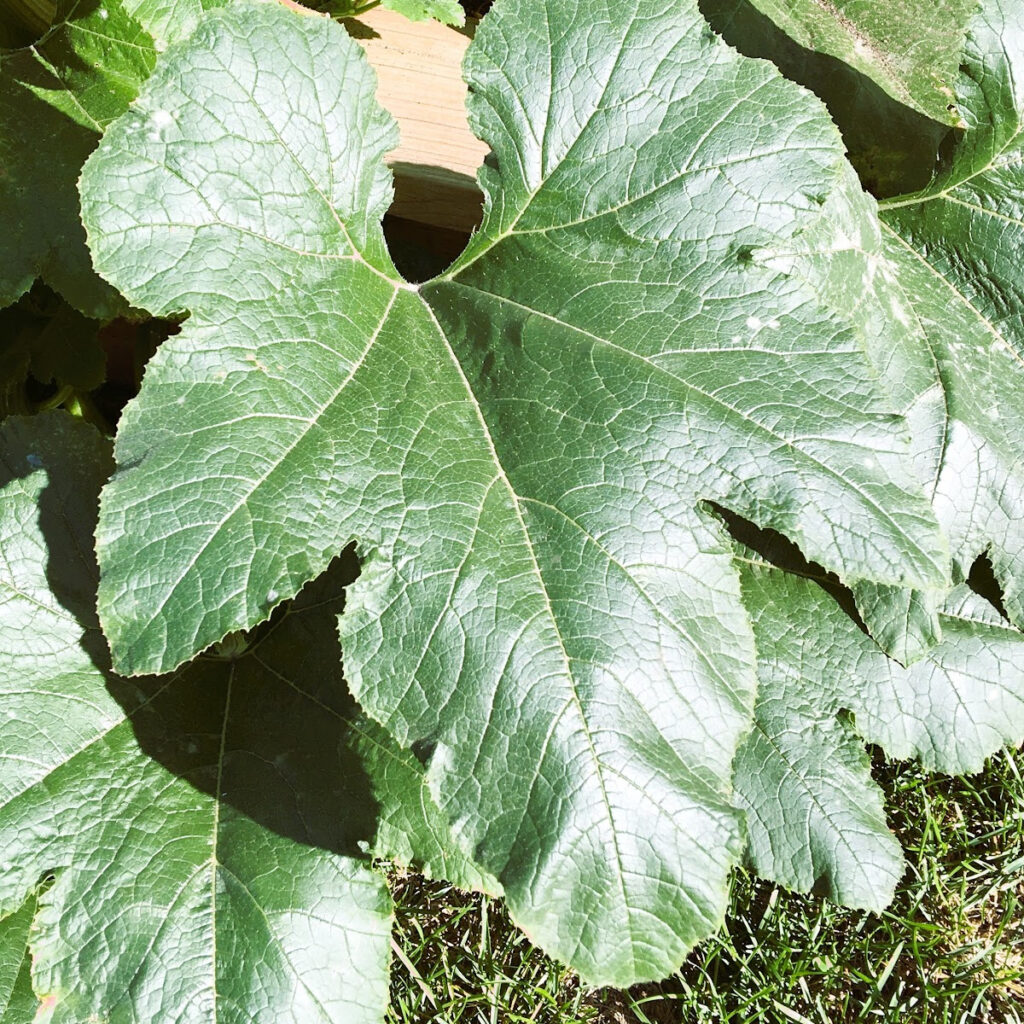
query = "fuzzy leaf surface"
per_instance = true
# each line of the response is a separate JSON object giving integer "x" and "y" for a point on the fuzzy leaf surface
{"x": 201, "y": 827}
{"x": 520, "y": 448}
{"x": 815, "y": 818}
{"x": 910, "y": 49}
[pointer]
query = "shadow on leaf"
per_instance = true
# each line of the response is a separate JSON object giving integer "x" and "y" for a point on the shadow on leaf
{"x": 264, "y": 731}
{"x": 894, "y": 149}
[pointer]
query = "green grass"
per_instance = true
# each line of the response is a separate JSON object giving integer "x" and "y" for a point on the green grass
{"x": 949, "y": 949}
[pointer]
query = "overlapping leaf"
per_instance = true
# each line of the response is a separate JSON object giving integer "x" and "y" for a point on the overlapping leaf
{"x": 449, "y": 12}
{"x": 202, "y": 827}
{"x": 910, "y": 49}
{"x": 814, "y": 815}
{"x": 944, "y": 318}
{"x": 167, "y": 21}
{"x": 56, "y": 97}
{"x": 940, "y": 310}
{"x": 18, "y": 1003}
{"x": 412, "y": 830}
{"x": 521, "y": 448}
{"x": 892, "y": 146}
{"x": 954, "y": 250}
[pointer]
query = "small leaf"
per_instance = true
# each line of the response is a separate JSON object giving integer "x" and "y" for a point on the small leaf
{"x": 449, "y": 12}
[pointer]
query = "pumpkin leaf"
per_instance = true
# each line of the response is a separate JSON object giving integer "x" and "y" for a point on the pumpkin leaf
{"x": 522, "y": 448}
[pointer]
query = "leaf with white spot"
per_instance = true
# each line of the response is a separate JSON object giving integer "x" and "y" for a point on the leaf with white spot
{"x": 908, "y": 48}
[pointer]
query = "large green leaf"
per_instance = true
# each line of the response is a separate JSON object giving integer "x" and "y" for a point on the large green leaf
{"x": 954, "y": 252}
{"x": 814, "y": 816}
{"x": 911, "y": 49}
{"x": 200, "y": 826}
{"x": 521, "y": 448}
{"x": 56, "y": 97}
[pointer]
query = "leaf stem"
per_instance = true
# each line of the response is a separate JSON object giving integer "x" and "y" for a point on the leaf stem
{"x": 57, "y": 399}
{"x": 82, "y": 407}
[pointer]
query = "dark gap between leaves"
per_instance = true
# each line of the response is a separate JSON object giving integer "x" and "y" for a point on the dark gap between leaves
{"x": 25, "y": 23}
{"x": 982, "y": 580}
{"x": 781, "y": 552}
{"x": 421, "y": 251}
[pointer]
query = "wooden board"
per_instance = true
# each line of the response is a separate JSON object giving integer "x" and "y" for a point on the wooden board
{"x": 418, "y": 66}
